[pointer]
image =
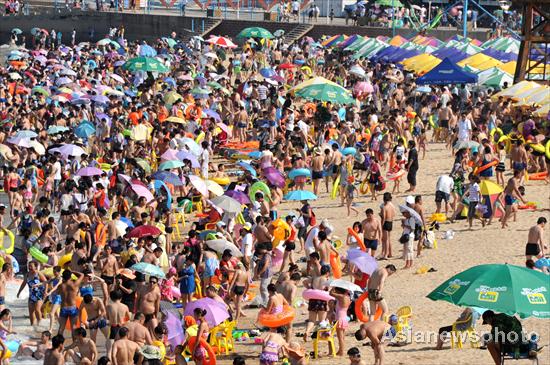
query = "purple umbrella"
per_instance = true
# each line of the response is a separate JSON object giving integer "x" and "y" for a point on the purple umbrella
{"x": 170, "y": 154}
{"x": 101, "y": 116}
{"x": 211, "y": 113}
{"x": 184, "y": 155}
{"x": 63, "y": 81}
{"x": 89, "y": 171}
{"x": 238, "y": 196}
{"x": 176, "y": 334}
{"x": 216, "y": 312}
{"x": 274, "y": 176}
{"x": 100, "y": 99}
{"x": 362, "y": 260}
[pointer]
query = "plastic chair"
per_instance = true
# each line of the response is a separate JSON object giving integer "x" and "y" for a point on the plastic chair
{"x": 210, "y": 226}
{"x": 178, "y": 216}
{"x": 214, "y": 339}
{"x": 197, "y": 203}
{"x": 226, "y": 341}
{"x": 404, "y": 315}
{"x": 325, "y": 335}
{"x": 457, "y": 334}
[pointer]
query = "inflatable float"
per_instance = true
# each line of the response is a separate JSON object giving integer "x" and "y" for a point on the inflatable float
{"x": 276, "y": 320}
{"x": 359, "y": 309}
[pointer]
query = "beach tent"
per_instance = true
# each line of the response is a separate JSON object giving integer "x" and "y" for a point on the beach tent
{"x": 334, "y": 40}
{"x": 394, "y": 54}
{"x": 421, "y": 64}
{"x": 351, "y": 40}
{"x": 516, "y": 89}
{"x": 357, "y": 44}
{"x": 489, "y": 193}
{"x": 397, "y": 41}
{"x": 539, "y": 97}
{"x": 480, "y": 61}
{"x": 447, "y": 72}
{"x": 467, "y": 48}
{"x": 451, "y": 53}
{"x": 494, "y": 77}
{"x": 509, "y": 67}
{"x": 499, "y": 55}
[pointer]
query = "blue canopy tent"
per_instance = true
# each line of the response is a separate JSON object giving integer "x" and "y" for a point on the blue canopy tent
{"x": 451, "y": 53}
{"x": 447, "y": 72}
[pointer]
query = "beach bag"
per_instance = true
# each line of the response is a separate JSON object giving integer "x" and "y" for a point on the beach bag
{"x": 313, "y": 219}
{"x": 404, "y": 238}
{"x": 380, "y": 184}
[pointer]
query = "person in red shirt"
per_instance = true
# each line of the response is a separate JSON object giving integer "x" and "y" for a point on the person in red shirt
{"x": 361, "y": 279}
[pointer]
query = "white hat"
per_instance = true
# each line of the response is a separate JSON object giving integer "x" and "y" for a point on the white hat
{"x": 409, "y": 199}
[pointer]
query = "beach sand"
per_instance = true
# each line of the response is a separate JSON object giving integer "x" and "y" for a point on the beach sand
{"x": 468, "y": 248}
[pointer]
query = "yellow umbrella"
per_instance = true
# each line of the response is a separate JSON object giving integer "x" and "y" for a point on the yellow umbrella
{"x": 480, "y": 61}
{"x": 171, "y": 97}
{"x": 490, "y": 188}
{"x": 5, "y": 150}
{"x": 214, "y": 188}
{"x": 38, "y": 147}
{"x": 313, "y": 81}
{"x": 174, "y": 119}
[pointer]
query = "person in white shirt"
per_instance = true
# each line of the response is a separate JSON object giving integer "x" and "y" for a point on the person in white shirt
{"x": 464, "y": 128}
{"x": 443, "y": 189}
{"x": 204, "y": 160}
{"x": 247, "y": 240}
{"x": 474, "y": 197}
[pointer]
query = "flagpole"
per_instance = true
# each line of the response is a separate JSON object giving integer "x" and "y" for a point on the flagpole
{"x": 393, "y": 18}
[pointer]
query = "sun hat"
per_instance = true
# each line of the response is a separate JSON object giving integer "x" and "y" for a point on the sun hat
{"x": 150, "y": 352}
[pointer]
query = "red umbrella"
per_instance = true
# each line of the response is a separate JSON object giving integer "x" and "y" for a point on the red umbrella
{"x": 285, "y": 66}
{"x": 143, "y": 231}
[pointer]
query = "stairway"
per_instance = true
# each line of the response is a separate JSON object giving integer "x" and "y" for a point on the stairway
{"x": 209, "y": 25}
{"x": 297, "y": 32}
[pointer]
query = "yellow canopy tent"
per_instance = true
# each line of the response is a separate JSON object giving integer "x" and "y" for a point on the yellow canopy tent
{"x": 480, "y": 61}
{"x": 510, "y": 67}
{"x": 538, "y": 96}
{"x": 397, "y": 41}
{"x": 516, "y": 89}
{"x": 421, "y": 63}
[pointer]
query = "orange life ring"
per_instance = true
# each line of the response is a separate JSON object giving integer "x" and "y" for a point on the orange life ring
{"x": 359, "y": 240}
{"x": 193, "y": 112}
{"x": 359, "y": 309}
{"x": 336, "y": 265}
{"x": 211, "y": 359}
{"x": 538, "y": 175}
{"x": 276, "y": 320}
{"x": 485, "y": 167}
{"x": 310, "y": 110}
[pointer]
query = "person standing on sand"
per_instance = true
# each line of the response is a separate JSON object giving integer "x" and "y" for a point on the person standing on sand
{"x": 343, "y": 302}
{"x": 387, "y": 214}
{"x": 372, "y": 229}
{"x": 54, "y": 356}
{"x": 238, "y": 288}
{"x": 375, "y": 287}
{"x": 68, "y": 291}
{"x": 511, "y": 195}
{"x": 148, "y": 298}
{"x": 535, "y": 247}
{"x": 317, "y": 163}
{"x": 317, "y": 309}
{"x": 117, "y": 315}
{"x": 376, "y": 331}
{"x": 124, "y": 351}
{"x": 412, "y": 167}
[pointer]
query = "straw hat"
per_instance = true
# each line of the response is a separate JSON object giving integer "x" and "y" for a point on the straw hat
{"x": 126, "y": 273}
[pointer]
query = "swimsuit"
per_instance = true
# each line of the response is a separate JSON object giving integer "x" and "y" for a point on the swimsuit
{"x": 109, "y": 280}
{"x": 372, "y": 244}
{"x": 87, "y": 289}
{"x": 55, "y": 299}
{"x": 374, "y": 295}
{"x": 69, "y": 312}
{"x": 100, "y": 322}
{"x": 238, "y": 290}
{"x": 532, "y": 249}
{"x": 341, "y": 316}
{"x": 114, "y": 331}
{"x": 316, "y": 305}
{"x": 36, "y": 293}
{"x": 270, "y": 357}
{"x": 2, "y": 300}
{"x": 210, "y": 266}
{"x": 509, "y": 199}
{"x": 387, "y": 226}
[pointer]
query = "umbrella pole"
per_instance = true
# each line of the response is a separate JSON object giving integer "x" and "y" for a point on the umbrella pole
{"x": 465, "y": 20}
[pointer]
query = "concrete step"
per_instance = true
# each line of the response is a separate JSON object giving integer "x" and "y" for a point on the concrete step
{"x": 298, "y": 32}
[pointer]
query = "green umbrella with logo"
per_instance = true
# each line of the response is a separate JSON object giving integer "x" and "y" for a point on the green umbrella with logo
{"x": 328, "y": 91}
{"x": 506, "y": 289}
{"x": 149, "y": 64}
{"x": 255, "y": 32}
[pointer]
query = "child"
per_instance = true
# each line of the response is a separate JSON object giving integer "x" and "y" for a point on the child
{"x": 501, "y": 167}
{"x": 355, "y": 357}
{"x": 397, "y": 172}
{"x": 349, "y": 195}
{"x": 422, "y": 140}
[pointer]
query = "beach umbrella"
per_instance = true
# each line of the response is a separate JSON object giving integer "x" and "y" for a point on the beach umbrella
{"x": 239, "y": 196}
{"x": 221, "y": 42}
{"x": 187, "y": 156}
{"x": 279, "y": 33}
{"x": 199, "y": 184}
{"x": 216, "y": 312}
{"x": 147, "y": 51}
{"x": 14, "y": 76}
{"x": 89, "y": 171}
{"x": 148, "y": 269}
{"x": 213, "y": 114}
{"x": 175, "y": 333}
{"x": 268, "y": 72}
{"x": 159, "y": 186}
{"x": 248, "y": 167}
{"x": 100, "y": 99}
{"x": 147, "y": 64}
{"x": 171, "y": 97}
{"x": 5, "y": 150}
{"x": 326, "y": 92}
{"x": 346, "y": 285}
{"x": 169, "y": 154}
{"x": 221, "y": 245}
{"x": 228, "y": 204}
{"x": 459, "y": 145}
{"x": 143, "y": 164}
{"x": 84, "y": 130}
{"x": 362, "y": 88}
{"x": 38, "y": 147}
{"x": 190, "y": 145}
{"x": 106, "y": 41}
{"x": 16, "y": 31}
{"x": 170, "y": 41}
{"x": 505, "y": 288}
{"x": 300, "y": 195}
{"x": 255, "y": 32}
{"x": 357, "y": 71}
{"x": 117, "y": 78}
{"x": 63, "y": 81}
{"x": 25, "y": 133}
{"x": 40, "y": 90}
{"x": 69, "y": 150}
{"x": 274, "y": 176}
{"x": 168, "y": 177}
{"x": 214, "y": 187}
{"x": 362, "y": 260}
{"x": 489, "y": 194}
{"x": 67, "y": 72}
{"x": 143, "y": 231}
{"x": 412, "y": 212}
{"x": 142, "y": 191}
{"x": 171, "y": 164}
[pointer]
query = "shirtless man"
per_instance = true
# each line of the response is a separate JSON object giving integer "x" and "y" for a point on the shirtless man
{"x": 96, "y": 314}
{"x": 41, "y": 346}
{"x": 261, "y": 232}
{"x": 375, "y": 286}
{"x": 336, "y": 162}
{"x": 289, "y": 289}
{"x": 239, "y": 287}
{"x": 117, "y": 315}
{"x": 112, "y": 230}
{"x": 535, "y": 247}
{"x": 17, "y": 206}
{"x": 87, "y": 350}
{"x": 137, "y": 331}
{"x": 324, "y": 248}
{"x": 387, "y": 214}
{"x": 148, "y": 298}
{"x": 511, "y": 194}
{"x": 141, "y": 207}
{"x": 79, "y": 255}
{"x": 68, "y": 289}
{"x": 518, "y": 157}
{"x": 109, "y": 266}
{"x": 376, "y": 331}
{"x": 317, "y": 309}
{"x": 124, "y": 351}
{"x": 372, "y": 229}
{"x": 317, "y": 170}
{"x": 54, "y": 355}
{"x": 5, "y": 276}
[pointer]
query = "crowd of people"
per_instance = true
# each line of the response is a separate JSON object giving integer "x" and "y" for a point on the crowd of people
{"x": 112, "y": 173}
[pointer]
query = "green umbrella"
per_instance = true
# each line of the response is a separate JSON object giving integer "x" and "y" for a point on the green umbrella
{"x": 172, "y": 164}
{"x": 145, "y": 64}
{"x": 170, "y": 41}
{"x": 395, "y": 3}
{"x": 326, "y": 92}
{"x": 144, "y": 165}
{"x": 255, "y": 32}
{"x": 199, "y": 91}
{"x": 40, "y": 90}
{"x": 507, "y": 289}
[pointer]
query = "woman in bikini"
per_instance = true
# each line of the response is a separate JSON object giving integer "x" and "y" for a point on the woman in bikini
{"x": 198, "y": 352}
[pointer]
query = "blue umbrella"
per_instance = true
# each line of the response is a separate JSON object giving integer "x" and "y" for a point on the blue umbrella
{"x": 300, "y": 195}
{"x": 168, "y": 177}
{"x": 26, "y": 134}
{"x": 161, "y": 185}
{"x": 255, "y": 155}
{"x": 84, "y": 130}
{"x": 267, "y": 72}
{"x": 170, "y": 81}
{"x": 212, "y": 114}
{"x": 127, "y": 221}
{"x": 149, "y": 269}
{"x": 248, "y": 167}
{"x": 54, "y": 129}
{"x": 147, "y": 51}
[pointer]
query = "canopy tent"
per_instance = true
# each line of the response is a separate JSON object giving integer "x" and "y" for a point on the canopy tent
{"x": 421, "y": 64}
{"x": 356, "y": 38}
{"x": 500, "y": 55}
{"x": 397, "y": 40}
{"x": 394, "y": 54}
{"x": 538, "y": 96}
{"x": 494, "y": 77}
{"x": 447, "y": 72}
{"x": 451, "y": 53}
{"x": 516, "y": 89}
{"x": 480, "y": 61}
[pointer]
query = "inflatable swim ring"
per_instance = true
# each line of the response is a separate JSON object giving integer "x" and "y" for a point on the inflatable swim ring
{"x": 438, "y": 217}
{"x": 485, "y": 167}
{"x": 547, "y": 149}
{"x": 299, "y": 172}
{"x": 317, "y": 294}
{"x": 359, "y": 240}
{"x": 537, "y": 147}
{"x": 395, "y": 175}
{"x": 335, "y": 186}
{"x": 199, "y": 138}
{"x": 211, "y": 359}
{"x": 349, "y": 151}
{"x": 282, "y": 230}
{"x": 8, "y": 246}
{"x": 65, "y": 259}
{"x": 38, "y": 255}
{"x": 359, "y": 309}
{"x": 276, "y": 320}
{"x": 337, "y": 244}
{"x": 364, "y": 187}
{"x": 336, "y": 265}
{"x": 538, "y": 175}
{"x": 221, "y": 180}
{"x": 495, "y": 131}
{"x": 259, "y": 186}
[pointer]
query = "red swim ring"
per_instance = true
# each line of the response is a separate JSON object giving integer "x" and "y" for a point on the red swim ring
{"x": 276, "y": 320}
{"x": 359, "y": 309}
